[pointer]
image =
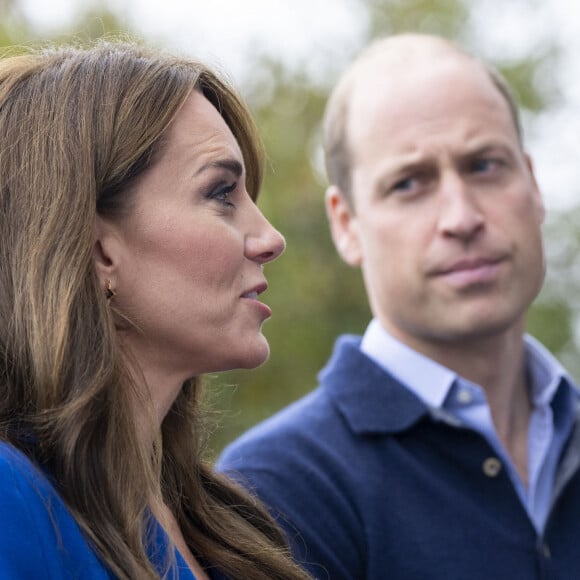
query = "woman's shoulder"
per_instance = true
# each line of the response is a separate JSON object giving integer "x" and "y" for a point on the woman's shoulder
{"x": 12, "y": 460}
{"x": 19, "y": 475}
{"x": 23, "y": 483}
{"x": 39, "y": 538}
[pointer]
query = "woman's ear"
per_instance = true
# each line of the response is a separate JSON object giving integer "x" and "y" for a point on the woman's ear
{"x": 106, "y": 252}
{"x": 343, "y": 226}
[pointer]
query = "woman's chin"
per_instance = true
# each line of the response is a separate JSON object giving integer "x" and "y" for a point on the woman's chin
{"x": 255, "y": 355}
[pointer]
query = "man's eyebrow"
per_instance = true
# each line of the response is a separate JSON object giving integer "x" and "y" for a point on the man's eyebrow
{"x": 232, "y": 165}
{"x": 487, "y": 146}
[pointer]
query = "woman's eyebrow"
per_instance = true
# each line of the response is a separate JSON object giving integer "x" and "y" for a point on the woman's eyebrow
{"x": 232, "y": 165}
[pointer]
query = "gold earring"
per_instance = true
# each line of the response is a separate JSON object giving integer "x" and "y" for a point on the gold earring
{"x": 109, "y": 292}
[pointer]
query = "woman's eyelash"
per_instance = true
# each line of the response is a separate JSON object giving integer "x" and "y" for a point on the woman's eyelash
{"x": 222, "y": 193}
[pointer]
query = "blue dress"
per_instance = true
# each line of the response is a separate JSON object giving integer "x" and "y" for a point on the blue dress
{"x": 39, "y": 538}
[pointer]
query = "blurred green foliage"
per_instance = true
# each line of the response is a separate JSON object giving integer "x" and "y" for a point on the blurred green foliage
{"x": 313, "y": 295}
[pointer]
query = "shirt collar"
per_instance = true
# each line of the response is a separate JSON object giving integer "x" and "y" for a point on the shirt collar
{"x": 429, "y": 380}
{"x": 432, "y": 382}
{"x": 544, "y": 371}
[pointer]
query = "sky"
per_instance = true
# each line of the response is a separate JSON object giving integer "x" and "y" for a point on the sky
{"x": 321, "y": 36}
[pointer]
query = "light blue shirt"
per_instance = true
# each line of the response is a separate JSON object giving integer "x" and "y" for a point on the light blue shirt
{"x": 443, "y": 390}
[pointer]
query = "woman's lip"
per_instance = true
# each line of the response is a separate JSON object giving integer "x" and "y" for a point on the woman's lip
{"x": 255, "y": 291}
{"x": 252, "y": 295}
{"x": 264, "y": 308}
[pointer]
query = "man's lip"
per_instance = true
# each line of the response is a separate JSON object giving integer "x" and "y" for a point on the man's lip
{"x": 466, "y": 264}
{"x": 471, "y": 272}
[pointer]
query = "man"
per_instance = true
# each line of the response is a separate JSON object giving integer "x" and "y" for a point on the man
{"x": 444, "y": 443}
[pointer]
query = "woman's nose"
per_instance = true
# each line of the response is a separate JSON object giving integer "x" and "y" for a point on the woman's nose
{"x": 266, "y": 244}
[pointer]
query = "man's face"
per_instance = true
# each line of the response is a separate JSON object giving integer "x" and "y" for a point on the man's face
{"x": 445, "y": 217}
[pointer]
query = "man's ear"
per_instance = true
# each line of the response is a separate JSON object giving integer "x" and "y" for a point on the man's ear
{"x": 537, "y": 194}
{"x": 343, "y": 226}
{"x": 107, "y": 251}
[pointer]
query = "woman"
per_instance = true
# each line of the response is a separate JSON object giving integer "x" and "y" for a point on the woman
{"x": 130, "y": 263}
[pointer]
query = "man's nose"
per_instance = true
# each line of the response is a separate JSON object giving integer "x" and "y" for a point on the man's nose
{"x": 459, "y": 213}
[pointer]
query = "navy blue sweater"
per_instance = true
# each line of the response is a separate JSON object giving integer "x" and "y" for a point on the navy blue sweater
{"x": 369, "y": 485}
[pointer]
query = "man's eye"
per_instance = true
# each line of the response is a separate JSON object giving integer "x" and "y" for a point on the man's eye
{"x": 404, "y": 184}
{"x": 485, "y": 165}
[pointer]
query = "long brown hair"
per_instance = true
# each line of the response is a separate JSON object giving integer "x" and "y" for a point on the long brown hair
{"x": 77, "y": 127}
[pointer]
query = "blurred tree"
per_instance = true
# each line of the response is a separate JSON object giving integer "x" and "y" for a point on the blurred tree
{"x": 93, "y": 22}
{"x": 13, "y": 25}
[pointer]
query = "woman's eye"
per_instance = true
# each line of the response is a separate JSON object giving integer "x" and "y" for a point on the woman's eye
{"x": 222, "y": 193}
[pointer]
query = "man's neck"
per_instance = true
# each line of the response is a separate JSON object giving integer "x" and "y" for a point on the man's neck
{"x": 497, "y": 365}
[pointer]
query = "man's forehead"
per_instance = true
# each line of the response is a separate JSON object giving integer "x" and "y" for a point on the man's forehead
{"x": 392, "y": 63}
{"x": 406, "y": 49}
{"x": 386, "y": 84}
{"x": 449, "y": 107}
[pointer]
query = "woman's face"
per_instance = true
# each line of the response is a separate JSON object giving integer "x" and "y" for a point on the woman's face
{"x": 187, "y": 262}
